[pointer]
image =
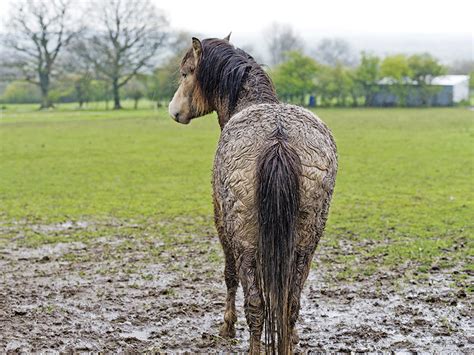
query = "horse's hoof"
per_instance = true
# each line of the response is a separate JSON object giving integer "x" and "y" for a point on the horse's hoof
{"x": 295, "y": 338}
{"x": 227, "y": 331}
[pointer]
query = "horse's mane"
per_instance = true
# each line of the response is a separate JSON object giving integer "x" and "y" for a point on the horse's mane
{"x": 224, "y": 69}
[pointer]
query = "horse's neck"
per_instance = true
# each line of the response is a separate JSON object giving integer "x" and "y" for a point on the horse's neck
{"x": 256, "y": 90}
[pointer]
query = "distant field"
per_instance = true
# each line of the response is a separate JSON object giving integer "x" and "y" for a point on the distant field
{"x": 405, "y": 179}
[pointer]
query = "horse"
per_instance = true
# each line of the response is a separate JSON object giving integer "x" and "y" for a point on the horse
{"x": 273, "y": 179}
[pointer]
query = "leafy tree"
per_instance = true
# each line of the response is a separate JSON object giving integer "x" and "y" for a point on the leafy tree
{"x": 21, "y": 92}
{"x": 82, "y": 87}
{"x": 165, "y": 81}
{"x": 396, "y": 67}
{"x": 342, "y": 83}
{"x": 424, "y": 68}
{"x": 355, "y": 90}
{"x": 397, "y": 71}
{"x": 135, "y": 89}
{"x": 63, "y": 90}
{"x": 100, "y": 90}
{"x": 335, "y": 85}
{"x": 79, "y": 72}
{"x": 296, "y": 77}
{"x": 366, "y": 77}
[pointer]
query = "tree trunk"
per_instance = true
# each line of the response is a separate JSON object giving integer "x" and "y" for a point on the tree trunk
{"x": 354, "y": 100}
{"x": 44, "y": 86}
{"x": 136, "y": 104}
{"x": 116, "y": 92}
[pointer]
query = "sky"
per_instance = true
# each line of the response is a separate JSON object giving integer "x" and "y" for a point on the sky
{"x": 333, "y": 16}
{"x": 443, "y": 27}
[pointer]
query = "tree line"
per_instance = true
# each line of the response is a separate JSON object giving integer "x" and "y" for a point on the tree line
{"x": 115, "y": 49}
{"x": 103, "y": 46}
{"x": 301, "y": 76}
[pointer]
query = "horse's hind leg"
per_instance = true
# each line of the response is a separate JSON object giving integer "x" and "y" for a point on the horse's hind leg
{"x": 232, "y": 282}
{"x": 254, "y": 311}
{"x": 302, "y": 266}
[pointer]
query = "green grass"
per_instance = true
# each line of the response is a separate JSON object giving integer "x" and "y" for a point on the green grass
{"x": 405, "y": 179}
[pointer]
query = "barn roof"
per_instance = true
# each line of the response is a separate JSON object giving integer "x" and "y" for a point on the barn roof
{"x": 443, "y": 80}
{"x": 449, "y": 79}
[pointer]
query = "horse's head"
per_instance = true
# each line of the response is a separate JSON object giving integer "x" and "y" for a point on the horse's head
{"x": 189, "y": 101}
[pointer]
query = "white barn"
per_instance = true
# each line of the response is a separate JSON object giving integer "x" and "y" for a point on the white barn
{"x": 459, "y": 84}
{"x": 452, "y": 90}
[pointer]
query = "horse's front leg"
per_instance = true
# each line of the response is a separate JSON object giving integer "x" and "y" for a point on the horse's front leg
{"x": 232, "y": 282}
{"x": 230, "y": 274}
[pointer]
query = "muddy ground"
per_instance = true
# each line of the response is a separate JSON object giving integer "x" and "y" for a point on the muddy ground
{"x": 141, "y": 294}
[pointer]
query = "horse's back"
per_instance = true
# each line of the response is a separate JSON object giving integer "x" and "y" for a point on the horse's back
{"x": 242, "y": 141}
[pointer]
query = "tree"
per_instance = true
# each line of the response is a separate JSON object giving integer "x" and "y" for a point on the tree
{"x": 397, "y": 72}
{"x": 296, "y": 77}
{"x": 343, "y": 84}
{"x": 250, "y": 49}
{"x": 165, "y": 81}
{"x": 38, "y": 31}
{"x": 21, "y": 92}
{"x": 461, "y": 67}
{"x": 180, "y": 42}
{"x": 366, "y": 77}
{"x": 423, "y": 69}
{"x": 79, "y": 72}
{"x": 334, "y": 85}
{"x": 135, "y": 89}
{"x": 100, "y": 91}
{"x": 334, "y": 51}
{"x": 128, "y": 37}
{"x": 82, "y": 87}
{"x": 281, "y": 39}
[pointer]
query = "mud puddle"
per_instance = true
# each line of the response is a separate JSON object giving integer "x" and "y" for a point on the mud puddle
{"x": 113, "y": 295}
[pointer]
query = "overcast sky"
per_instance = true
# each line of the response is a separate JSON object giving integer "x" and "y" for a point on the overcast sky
{"x": 315, "y": 19}
{"x": 334, "y": 16}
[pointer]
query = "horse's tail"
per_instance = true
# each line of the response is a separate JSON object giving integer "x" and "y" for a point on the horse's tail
{"x": 277, "y": 198}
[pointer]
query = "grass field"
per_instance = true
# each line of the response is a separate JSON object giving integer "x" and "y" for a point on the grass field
{"x": 405, "y": 183}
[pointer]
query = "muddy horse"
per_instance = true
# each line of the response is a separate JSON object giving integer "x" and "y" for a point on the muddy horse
{"x": 273, "y": 179}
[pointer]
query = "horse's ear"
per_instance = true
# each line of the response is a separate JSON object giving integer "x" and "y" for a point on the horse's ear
{"x": 227, "y": 38}
{"x": 197, "y": 48}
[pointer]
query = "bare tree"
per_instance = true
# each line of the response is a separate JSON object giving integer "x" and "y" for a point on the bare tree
{"x": 37, "y": 32}
{"x": 179, "y": 42}
{"x": 281, "y": 38}
{"x": 335, "y": 51}
{"x": 126, "y": 37}
{"x": 461, "y": 67}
